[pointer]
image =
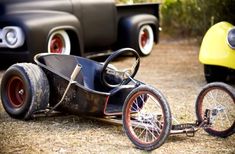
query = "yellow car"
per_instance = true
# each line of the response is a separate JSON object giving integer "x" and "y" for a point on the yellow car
{"x": 217, "y": 52}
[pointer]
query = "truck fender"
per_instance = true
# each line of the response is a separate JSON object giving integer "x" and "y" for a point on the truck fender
{"x": 128, "y": 29}
{"x": 38, "y": 25}
{"x": 214, "y": 49}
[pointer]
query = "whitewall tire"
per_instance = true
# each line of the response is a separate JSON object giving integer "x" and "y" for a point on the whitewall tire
{"x": 59, "y": 42}
{"x": 145, "y": 40}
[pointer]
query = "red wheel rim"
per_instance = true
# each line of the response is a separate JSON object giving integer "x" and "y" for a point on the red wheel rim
{"x": 144, "y": 38}
{"x": 57, "y": 44}
{"x": 16, "y": 92}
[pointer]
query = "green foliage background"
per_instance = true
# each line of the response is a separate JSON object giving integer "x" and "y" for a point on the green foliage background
{"x": 192, "y": 17}
{"x": 135, "y": 1}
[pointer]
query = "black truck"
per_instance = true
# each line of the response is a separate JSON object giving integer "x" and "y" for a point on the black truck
{"x": 78, "y": 27}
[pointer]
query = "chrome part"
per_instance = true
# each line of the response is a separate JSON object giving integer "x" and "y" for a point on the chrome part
{"x": 21, "y": 92}
{"x": 12, "y": 37}
{"x": 231, "y": 38}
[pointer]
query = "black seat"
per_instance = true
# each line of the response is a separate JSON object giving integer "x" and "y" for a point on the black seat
{"x": 89, "y": 76}
{"x": 62, "y": 65}
{"x": 91, "y": 73}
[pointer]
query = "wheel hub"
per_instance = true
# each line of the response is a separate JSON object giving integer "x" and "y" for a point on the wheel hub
{"x": 16, "y": 92}
{"x": 21, "y": 92}
{"x": 144, "y": 38}
{"x": 57, "y": 44}
{"x": 146, "y": 118}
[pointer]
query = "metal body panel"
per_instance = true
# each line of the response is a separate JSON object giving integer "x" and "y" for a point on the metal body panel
{"x": 92, "y": 25}
{"x": 215, "y": 49}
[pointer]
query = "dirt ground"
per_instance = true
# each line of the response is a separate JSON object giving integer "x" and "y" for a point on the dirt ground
{"x": 172, "y": 67}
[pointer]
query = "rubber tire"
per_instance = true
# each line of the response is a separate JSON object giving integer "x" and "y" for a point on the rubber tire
{"x": 215, "y": 73}
{"x": 138, "y": 47}
{"x": 66, "y": 40}
{"x": 219, "y": 85}
{"x": 37, "y": 90}
{"x": 167, "y": 114}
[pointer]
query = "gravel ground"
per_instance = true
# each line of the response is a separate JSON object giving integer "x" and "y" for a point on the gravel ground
{"x": 173, "y": 68}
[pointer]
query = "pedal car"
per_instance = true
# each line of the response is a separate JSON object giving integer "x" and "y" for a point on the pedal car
{"x": 217, "y": 52}
{"x": 108, "y": 92}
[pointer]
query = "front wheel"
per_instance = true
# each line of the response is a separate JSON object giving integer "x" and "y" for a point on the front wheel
{"x": 146, "y": 118}
{"x": 24, "y": 90}
{"x": 219, "y": 99}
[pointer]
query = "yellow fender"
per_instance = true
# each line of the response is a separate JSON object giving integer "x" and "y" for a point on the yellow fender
{"x": 215, "y": 49}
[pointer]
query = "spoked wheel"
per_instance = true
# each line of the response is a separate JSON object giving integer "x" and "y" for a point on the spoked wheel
{"x": 219, "y": 99}
{"x": 146, "y": 118}
{"x": 59, "y": 42}
{"x": 24, "y": 90}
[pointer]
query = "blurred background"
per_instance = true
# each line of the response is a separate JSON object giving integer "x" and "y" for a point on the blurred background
{"x": 191, "y": 18}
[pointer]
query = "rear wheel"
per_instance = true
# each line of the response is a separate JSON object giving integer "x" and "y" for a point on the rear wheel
{"x": 146, "y": 118}
{"x": 219, "y": 99}
{"x": 24, "y": 90}
{"x": 145, "y": 40}
{"x": 215, "y": 73}
{"x": 59, "y": 42}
